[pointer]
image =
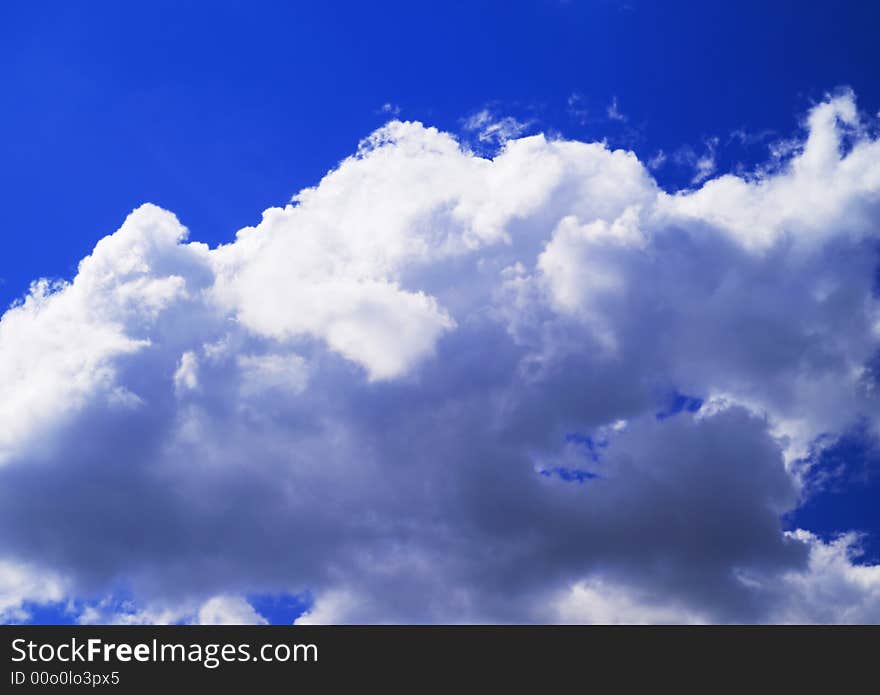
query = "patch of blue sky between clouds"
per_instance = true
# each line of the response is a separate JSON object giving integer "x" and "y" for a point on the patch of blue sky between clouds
{"x": 680, "y": 403}
{"x": 51, "y": 613}
{"x": 569, "y": 475}
{"x": 281, "y": 609}
{"x": 841, "y": 490}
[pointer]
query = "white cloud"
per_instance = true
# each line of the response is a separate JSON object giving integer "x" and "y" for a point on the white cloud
{"x": 577, "y": 108}
{"x": 110, "y": 612}
{"x": 21, "y": 584}
{"x": 223, "y": 609}
{"x": 600, "y": 602}
{"x": 332, "y": 608}
{"x": 657, "y": 161}
{"x": 613, "y": 111}
{"x": 229, "y": 610}
{"x": 491, "y": 128}
{"x": 833, "y": 589}
{"x": 367, "y": 394}
{"x": 703, "y": 164}
{"x": 288, "y": 373}
{"x": 186, "y": 378}
{"x": 59, "y": 344}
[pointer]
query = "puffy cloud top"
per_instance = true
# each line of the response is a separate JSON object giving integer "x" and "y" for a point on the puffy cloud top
{"x": 426, "y": 390}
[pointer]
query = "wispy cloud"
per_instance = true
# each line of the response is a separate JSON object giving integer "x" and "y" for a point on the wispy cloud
{"x": 492, "y": 128}
{"x": 613, "y": 111}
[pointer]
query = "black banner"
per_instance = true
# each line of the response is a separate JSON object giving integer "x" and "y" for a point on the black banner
{"x": 124, "y": 659}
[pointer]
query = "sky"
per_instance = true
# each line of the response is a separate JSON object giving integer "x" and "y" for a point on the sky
{"x": 531, "y": 311}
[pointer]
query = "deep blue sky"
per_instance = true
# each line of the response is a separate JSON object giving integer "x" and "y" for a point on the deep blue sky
{"x": 219, "y": 110}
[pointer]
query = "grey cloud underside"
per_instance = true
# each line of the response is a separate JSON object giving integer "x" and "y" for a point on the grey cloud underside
{"x": 357, "y": 397}
{"x": 417, "y": 501}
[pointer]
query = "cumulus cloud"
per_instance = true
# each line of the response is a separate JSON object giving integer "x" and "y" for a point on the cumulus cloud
{"x": 229, "y": 610}
{"x": 21, "y": 585}
{"x": 426, "y": 390}
{"x": 223, "y": 609}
